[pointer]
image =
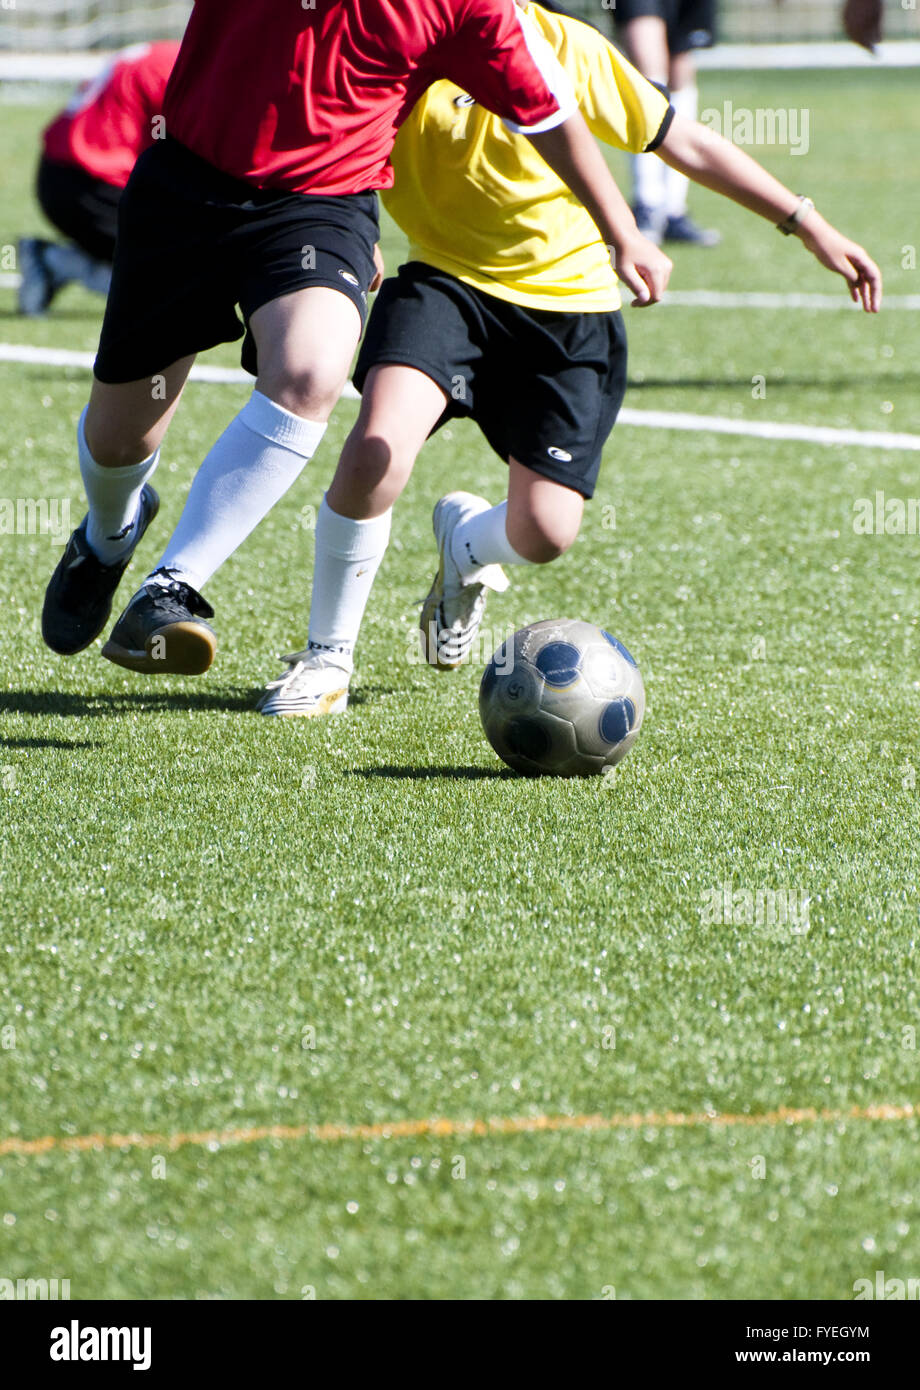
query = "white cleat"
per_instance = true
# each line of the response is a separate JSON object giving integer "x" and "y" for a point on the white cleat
{"x": 315, "y": 684}
{"x": 452, "y": 612}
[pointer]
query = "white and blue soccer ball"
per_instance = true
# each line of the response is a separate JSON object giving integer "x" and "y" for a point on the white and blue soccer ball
{"x": 562, "y": 698}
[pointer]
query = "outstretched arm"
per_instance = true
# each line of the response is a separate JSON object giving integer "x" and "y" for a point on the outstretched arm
{"x": 572, "y": 152}
{"x": 714, "y": 162}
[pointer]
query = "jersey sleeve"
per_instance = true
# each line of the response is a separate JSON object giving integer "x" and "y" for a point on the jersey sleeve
{"x": 151, "y": 76}
{"x": 620, "y": 106}
{"x": 499, "y": 57}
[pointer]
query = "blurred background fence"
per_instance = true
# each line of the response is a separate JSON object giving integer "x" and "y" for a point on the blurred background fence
{"x": 54, "y": 26}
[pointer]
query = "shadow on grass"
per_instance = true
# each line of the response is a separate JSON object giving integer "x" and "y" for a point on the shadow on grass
{"x": 367, "y": 694}
{"x": 411, "y": 774}
{"x": 49, "y": 743}
{"x": 68, "y": 704}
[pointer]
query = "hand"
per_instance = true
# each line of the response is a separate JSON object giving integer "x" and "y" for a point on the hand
{"x": 643, "y": 268}
{"x": 845, "y": 257}
{"x": 862, "y": 20}
{"x": 379, "y": 268}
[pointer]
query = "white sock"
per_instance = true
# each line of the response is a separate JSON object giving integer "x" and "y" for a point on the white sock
{"x": 348, "y": 556}
{"x": 686, "y": 103}
{"x": 70, "y": 263}
{"x": 482, "y": 540}
{"x": 260, "y": 454}
{"x": 649, "y": 181}
{"x": 114, "y": 495}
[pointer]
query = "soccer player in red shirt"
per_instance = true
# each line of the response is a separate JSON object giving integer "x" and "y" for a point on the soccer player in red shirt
{"x": 279, "y": 124}
{"x": 88, "y": 151}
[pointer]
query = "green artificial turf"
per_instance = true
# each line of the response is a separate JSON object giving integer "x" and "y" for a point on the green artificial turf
{"x": 213, "y": 921}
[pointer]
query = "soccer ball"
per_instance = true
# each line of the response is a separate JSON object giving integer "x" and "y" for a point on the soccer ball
{"x": 563, "y": 698}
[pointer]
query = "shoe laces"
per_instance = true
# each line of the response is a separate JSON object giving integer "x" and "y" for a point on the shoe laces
{"x": 310, "y": 659}
{"x": 181, "y": 592}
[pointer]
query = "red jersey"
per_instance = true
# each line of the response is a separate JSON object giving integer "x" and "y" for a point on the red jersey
{"x": 309, "y": 97}
{"x": 110, "y": 119}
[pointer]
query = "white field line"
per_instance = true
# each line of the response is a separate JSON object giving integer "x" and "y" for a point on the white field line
{"x": 727, "y": 57}
{"x": 715, "y": 299}
{"x": 647, "y": 419}
{"x": 768, "y": 429}
{"x": 769, "y": 299}
{"x": 64, "y": 357}
{"x": 77, "y": 66}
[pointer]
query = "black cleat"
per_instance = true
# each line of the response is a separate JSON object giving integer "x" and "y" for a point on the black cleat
{"x": 78, "y": 599}
{"x": 686, "y": 230}
{"x": 161, "y": 633}
{"x": 38, "y": 283}
{"x": 649, "y": 222}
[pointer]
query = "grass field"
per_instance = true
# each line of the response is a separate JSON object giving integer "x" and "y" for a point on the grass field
{"x": 213, "y": 921}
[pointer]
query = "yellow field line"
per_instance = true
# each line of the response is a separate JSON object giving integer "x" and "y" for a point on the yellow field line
{"x": 441, "y": 1129}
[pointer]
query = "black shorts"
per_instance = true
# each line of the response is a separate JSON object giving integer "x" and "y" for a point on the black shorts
{"x": 690, "y": 23}
{"x": 194, "y": 242}
{"x": 544, "y": 387}
{"x": 83, "y": 209}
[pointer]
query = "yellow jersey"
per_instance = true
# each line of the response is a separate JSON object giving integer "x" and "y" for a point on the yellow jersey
{"x": 478, "y": 201}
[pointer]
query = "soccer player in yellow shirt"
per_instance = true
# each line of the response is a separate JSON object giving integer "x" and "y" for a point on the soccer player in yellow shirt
{"x": 507, "y": 311}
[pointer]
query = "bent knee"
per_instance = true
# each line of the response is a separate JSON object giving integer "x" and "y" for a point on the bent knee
{"x": 312, "y": 393}
{"x": 539, "y": 547}
{"x": 371, "y": 466}
{"x": 119, "y": 451}
{"x": 370, "y": 459}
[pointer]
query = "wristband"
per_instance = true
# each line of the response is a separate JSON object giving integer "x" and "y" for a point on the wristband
{"x": 791, "y": 224}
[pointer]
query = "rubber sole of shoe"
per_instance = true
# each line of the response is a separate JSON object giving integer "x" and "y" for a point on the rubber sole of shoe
{"x": 178, "y": 649}
{"x": 428, "y": 630}
{"x": 427, "y": 623}
{"x": 333, "y": 702}
{"x": 431, "y": 649}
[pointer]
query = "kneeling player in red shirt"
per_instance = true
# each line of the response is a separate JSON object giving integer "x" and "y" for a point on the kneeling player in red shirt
{"x": 88, "y": 152}
{"x": 280, "y": 122}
